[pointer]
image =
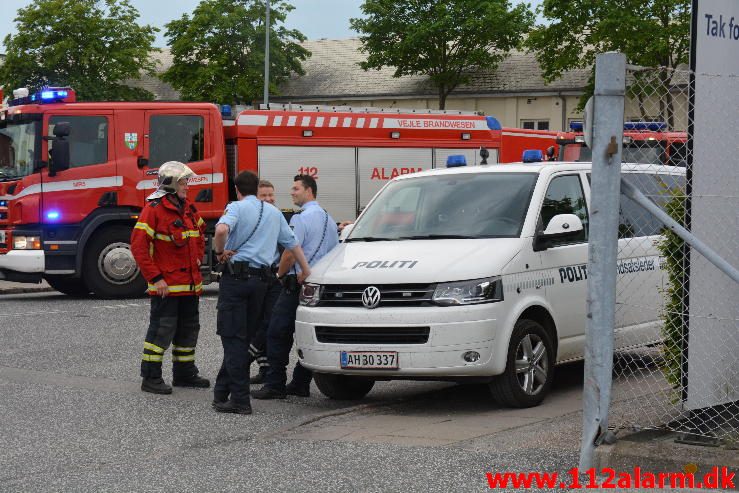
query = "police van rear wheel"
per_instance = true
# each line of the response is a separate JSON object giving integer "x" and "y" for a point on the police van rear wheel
{"x": 343, "y": 387}
{"x": 529, "y": 367}
{"x": 109, "y": 267}
{"x": 71, "y": 286}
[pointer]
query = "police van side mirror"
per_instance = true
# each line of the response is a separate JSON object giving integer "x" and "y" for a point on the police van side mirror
{"x": 346, "y": 231}
{"x": 560, "y": 227}
{"x": 59, "y": 153}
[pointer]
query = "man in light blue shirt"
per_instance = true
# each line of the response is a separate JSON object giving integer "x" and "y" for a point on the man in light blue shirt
{"x": 245, "y": 242}
{"x": 316, "y": 232}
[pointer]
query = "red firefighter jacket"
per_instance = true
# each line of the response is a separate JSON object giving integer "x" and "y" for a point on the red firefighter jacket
{"x": 167, "y": 243}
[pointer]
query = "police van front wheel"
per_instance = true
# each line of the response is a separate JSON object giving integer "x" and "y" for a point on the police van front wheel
{"x": 529, "y": 367}
{"x": 343, "y": 387}
{"x": 109, "y": 267}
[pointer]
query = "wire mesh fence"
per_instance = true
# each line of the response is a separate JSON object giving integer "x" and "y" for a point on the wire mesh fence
{"x": 676, "y": 362}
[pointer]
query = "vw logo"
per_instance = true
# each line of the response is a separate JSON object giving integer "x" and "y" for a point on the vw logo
{"x": 371, "y": 297}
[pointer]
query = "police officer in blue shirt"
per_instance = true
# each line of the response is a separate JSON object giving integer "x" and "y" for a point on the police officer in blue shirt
{"x": 245, "y": 242}
{"x": 316, "y": 232}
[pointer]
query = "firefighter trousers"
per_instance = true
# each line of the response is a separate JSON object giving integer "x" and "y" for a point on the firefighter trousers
{"x": 173, "y": 320}
{"x": 258, "y": 345}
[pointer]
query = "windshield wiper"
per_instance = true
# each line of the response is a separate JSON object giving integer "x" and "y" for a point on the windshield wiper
{"x": 369, "y": 238}
{"x": 438, "y": 237}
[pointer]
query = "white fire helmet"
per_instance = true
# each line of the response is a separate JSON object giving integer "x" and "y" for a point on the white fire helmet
{"x": 170, "y": 173}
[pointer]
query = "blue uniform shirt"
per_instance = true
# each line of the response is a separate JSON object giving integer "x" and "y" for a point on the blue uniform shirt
{"x": 241, "y": 217}
{"x": 309, "y": 227}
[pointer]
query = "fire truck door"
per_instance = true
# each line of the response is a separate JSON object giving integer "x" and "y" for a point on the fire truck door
{"x": 69, "y": 196}
{"x": 334, "y": 169}
{"x": 378, "y": 165}
{"x": 184, "y": 136}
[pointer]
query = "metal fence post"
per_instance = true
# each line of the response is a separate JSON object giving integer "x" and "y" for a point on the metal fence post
{"x": 608, "y": 117}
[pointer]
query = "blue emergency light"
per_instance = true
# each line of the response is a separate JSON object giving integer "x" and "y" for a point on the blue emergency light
{"x": 576, "y": 126}
{"x": 53, "y": 215}
{"x": 455, "y": 161}
{"x": 649, "y": 126}
{"x": 493, "y": 123}
{"x": 532, "y": 156}
{"x": 226, "y": 110}
{"x": 3, "y": 203}
{"x": 45, "y": 96}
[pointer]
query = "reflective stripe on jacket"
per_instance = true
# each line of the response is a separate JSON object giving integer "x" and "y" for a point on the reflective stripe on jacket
{"x": 168, "y": 242}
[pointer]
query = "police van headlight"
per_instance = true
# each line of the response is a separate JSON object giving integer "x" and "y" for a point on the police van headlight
{"x": 472, "y": 292}
{"x": 310, "y": 294}
{"x": 27, "y": 242}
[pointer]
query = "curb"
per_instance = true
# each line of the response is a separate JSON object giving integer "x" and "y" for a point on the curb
{"x": 656, "y": 451}
{"x": 40, "y": 289}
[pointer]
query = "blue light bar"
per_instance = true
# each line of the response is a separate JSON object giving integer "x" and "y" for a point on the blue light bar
{"x": 532, "y": 156}
{"x": 576, "y": 126}
{"x": 649, "y": 126}
{"x": 53, "y": 215}
{"x": 493, "y": 123}
{"x": 455, "y": 161}
{"x": 46, "y": 95}
{"x": 226, "y": 110}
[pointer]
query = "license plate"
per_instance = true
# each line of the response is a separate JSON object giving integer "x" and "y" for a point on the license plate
{"x": 2, "y": 236}
{"x": 387, "y": 360}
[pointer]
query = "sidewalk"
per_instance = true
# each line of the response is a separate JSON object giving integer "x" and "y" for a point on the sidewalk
{"x": 7, "y": 287}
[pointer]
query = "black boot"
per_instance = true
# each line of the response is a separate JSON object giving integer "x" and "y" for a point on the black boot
{"x": 155, "y": 386}
{"x": 230, "y": 407}
{"x": 259, "y": 377}
{"x": 196, "y": 381}
{"x": 268, "y": 393}
{"x": 296, "y": 389}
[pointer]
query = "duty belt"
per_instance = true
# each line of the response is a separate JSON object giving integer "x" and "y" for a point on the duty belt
{"x": 242, "y": 270}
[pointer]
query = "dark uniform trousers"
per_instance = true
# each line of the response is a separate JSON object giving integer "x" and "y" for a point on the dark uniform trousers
{"x": 280, "y": 337}
{"x": 173, "y": 320}
{"x": 258, "y": 345}
{"x": 239, "y": 309}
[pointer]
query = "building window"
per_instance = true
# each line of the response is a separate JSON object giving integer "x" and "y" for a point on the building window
{"x": 535, "y": 124}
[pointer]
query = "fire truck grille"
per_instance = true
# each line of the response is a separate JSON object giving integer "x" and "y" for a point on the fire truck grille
{"x": 350, "y": 295}
{"x": 372, "y": 335}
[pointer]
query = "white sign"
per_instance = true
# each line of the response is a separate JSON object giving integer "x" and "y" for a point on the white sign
{"x": 712, "y": 338}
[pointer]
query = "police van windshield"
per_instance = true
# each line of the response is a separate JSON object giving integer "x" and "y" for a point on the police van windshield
{"x": 474, "y": 205}
{"x": 18, "y": 144}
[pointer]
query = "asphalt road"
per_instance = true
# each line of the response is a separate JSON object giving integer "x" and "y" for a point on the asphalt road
{"x": 72, "y": 418}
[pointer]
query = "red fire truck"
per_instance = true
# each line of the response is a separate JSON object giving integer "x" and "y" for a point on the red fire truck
{"x": 644, "y": 142}
{"x": 74, "y": 176}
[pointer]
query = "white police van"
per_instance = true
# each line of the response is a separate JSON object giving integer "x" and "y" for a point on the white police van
{"x": 475, "y": 273}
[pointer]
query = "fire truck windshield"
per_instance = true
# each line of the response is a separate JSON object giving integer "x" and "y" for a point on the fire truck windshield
{"x": 18, "y": 143}
{"x": 637, "y": 152}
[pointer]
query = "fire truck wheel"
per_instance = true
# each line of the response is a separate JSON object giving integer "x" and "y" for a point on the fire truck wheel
{"x": 71, "y": 286}
{"x": 109, "y": 267}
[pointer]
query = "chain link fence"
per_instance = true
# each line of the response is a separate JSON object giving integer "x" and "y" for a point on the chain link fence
{"x": 676, "y": 361}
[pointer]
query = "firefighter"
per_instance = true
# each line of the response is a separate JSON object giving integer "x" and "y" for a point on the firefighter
{"x": 316, "y": 231}
{"x": 168, "y": 244}
{"x": 265, "y": 193}
{"x": 245, "y": 243}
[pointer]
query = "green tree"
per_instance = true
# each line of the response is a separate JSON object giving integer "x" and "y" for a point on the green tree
{"x": 218, "y": 53}
{"x": 443, "y": 39}
{"x": 93, "y": 46}
{"x": 651, "y": 33}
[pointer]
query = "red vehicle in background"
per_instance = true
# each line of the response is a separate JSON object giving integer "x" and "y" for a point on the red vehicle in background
{"x": 74, "y": 176}
{"x": 644, "y": 142}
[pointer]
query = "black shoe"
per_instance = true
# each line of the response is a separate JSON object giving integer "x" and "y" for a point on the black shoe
{"x": 155, "y": 386}
{"x": 300, "y": 390}
{"x": 259, "y": 377}
{"x": 230, "y": 407}
{"x": 268, "y": 393}
{"x": 196, "y": 382}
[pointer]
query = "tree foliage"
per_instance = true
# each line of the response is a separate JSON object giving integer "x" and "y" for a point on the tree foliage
{"x": 94, "y": 46}
{"x": 443, "y": 39}
{"x": 651, "y": 33}
{"x": 218, "y": 52}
